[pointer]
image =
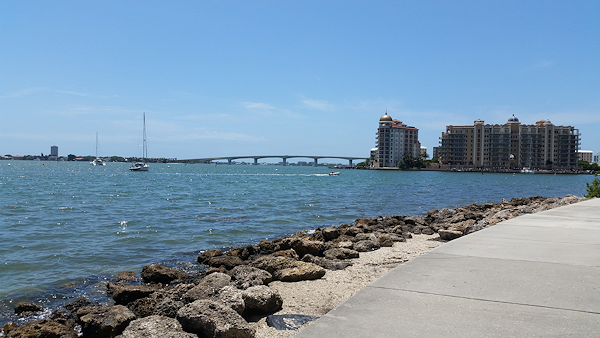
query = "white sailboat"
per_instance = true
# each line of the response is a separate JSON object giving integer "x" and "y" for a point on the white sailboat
{"x": 142, "y": 166}
{"x": 97, "y": 160}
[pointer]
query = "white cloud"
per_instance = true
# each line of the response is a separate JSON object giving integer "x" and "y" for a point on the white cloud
{"x": 542, "y": 64}
{"x": 258, "y": 106}
{"x": 71, "y": 93}
{"x": 22, "y": 92}
{"x": 317, "y": 104}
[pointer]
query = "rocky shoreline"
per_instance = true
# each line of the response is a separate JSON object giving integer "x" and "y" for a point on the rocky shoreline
{"x": 270, "y": 289}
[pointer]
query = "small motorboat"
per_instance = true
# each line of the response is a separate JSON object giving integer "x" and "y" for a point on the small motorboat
{"x": 334, "y": 173}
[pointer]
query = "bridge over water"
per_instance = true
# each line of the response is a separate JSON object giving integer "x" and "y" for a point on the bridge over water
{"x": 315, "y": 159}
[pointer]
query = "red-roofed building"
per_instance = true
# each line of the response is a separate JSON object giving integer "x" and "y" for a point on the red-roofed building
{"x": 394, "y": 139}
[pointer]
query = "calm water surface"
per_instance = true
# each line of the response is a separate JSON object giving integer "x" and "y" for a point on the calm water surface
{"x": 66, "y": 227}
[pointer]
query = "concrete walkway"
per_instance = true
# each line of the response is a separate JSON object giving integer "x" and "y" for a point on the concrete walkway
{"x": 535, "y": 275}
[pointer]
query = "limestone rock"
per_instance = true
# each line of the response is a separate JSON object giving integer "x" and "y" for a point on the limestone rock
{"x": 365, "y": 237}
{"x": 300, "y": 271}
{"x": 385, "y": 241}
{"x": 206, "y": 255}
{"x": 25, "y": 307}
{"x": 226, "y": 261}
{"x": 365, "y": 246}
{"x": 208, "y": 287}
{"x": 125, "y": 294}
{"x": 232, "y": 297}
{"x": 143, "y": 307}
{"x": 245, "y": 276}
{"x": 126, "y": 277}
{"x": 272, "y": 263}
{"x": 326, "y": 263}
{"x": 449, "y": 235}
{"x": 330, "y": 233}
{"x": 104, "y": 321}
{"x": 157, "y": 273}
{"x": 208, "y": 318}
{"x": 155, "y": 327}
{"x": 167, "y": 307}
{"x": 261, "y": 299}
{"x": 39, "y": 328}
{"x": 266, "y": 247}
{"x": 301, "y": 246}
{"x": 340, "y": 253}
{"x": 290, "y": 253}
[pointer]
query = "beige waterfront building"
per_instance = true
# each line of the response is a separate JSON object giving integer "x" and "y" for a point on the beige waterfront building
{"x": 510, "y": 145}
{"x": 394, "y": 139}
{"x": 586, "y": 155}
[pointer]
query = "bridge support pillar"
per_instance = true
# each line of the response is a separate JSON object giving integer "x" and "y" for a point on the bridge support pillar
{"x": 229, "y": 161}
{"x": 350, "y": 162}
{"x": 315, "y": 163}
{"x": 255, "y": 161}
{"x": 284, "y": 161}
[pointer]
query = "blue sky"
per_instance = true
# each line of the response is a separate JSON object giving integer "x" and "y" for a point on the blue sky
{"x": 226, "y": 78}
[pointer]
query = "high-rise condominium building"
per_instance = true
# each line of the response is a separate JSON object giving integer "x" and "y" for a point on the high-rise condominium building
{"x": 54, "y": 151}
{"x": 510, "y": 145}
{"x": 394, "y": 139}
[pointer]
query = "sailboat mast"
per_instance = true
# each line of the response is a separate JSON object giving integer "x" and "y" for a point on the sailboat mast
{"x": 145, "y": 151}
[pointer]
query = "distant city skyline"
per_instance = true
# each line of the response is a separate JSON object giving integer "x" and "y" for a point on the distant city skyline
{"x": 221, "y": 78}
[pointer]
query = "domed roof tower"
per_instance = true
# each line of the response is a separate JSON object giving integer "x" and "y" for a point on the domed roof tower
{"x": 385, "y": 118}
{"x": 513, "y": 118}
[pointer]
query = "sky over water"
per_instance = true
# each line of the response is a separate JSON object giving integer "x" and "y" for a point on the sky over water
{"x": 227, "y": 78}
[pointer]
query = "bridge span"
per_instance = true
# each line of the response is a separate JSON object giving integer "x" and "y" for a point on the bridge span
{"x": 230, "y": 159}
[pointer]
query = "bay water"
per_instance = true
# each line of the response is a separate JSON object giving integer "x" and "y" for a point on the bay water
{"x": 68, "y": 227}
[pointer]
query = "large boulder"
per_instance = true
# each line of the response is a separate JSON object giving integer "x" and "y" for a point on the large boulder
{"x": 208, "y": 318}
{"x": 326, "y": 263}
{"x": 39, "y": 328}
{"x": 155, "y": 327}
{"x": 340, "y": 253}
{"x": 245, "y": 276}
{"x": 288, "y": 270}
{"x": 330, "y": 233}
{"x": 208, "y": 287}
{"x": 28, "y": 308}
{"x": 104, "y": 321}
{"x": 261, "y": 299}
{"x": 157, "y": 273}
{"x": 167, "y": 307}
{"x": 300, "y": 271}
{"x": 125, "y": 294}
{"x": 272, "y": 263}
{"x": 266, "y": 247}
{"x": 385, "y": 240}
{"x": 226, "y": 261}
{"x": 301, "y": 246}
{"x": 365, "y": 246}
{"x": 126, "y": 277}
{"x": 365, "y": 237}
{"x": 206, "y": 255}
{"x": 143, "y": 307}
{"x": 291, "y": 253}
{"x": 232, "y": 297}
{"x": 449, "y": 235}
